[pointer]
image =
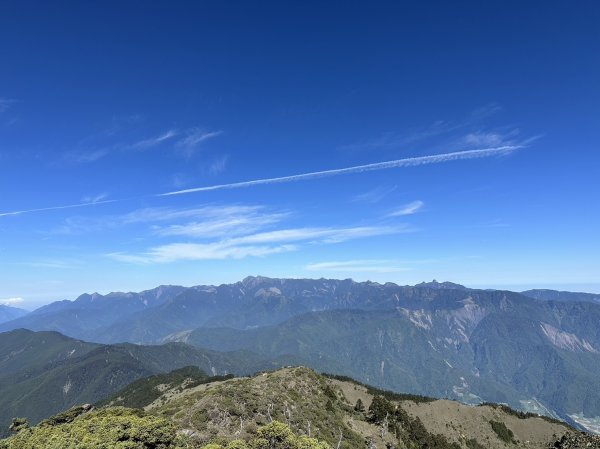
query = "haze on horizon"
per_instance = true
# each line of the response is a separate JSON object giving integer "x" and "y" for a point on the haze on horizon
{"x": 198, "y": 143}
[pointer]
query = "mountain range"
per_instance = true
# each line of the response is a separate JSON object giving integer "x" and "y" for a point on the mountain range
{"x": 537, "y": 351}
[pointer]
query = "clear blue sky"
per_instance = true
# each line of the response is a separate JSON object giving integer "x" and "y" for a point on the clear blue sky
{"x": 112, "y": 103}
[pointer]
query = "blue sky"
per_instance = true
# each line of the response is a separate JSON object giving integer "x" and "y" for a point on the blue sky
{"x": 107, "y": 105}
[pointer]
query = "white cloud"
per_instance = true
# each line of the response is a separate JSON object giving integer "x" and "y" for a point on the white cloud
{"x": 194, "y": 137}
{"x": 92, "y": 199}
{"x": 198, "y": 251}
{"x": 368, "y": 265}
{"x": 374, "y": 195}
{"x": 214, "y": 217}
{"x": 408, "y": 209}
{"x": 11, "y": 301}
{"x": 358, "y": 266}
{"x": 323, "y": 235}
{"x": 156, "y": 214}
{"x": 155, "y": 141}
{"x": 391, "y": 140}
{"x": 257, "y": 245}
{"x": 487, "y": 138}
{"x": 228, "y": 223}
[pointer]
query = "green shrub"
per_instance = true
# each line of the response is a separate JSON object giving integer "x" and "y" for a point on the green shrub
{"x": 474, "y": 444}
{"x": 275, "y": 435}
{"x": 503, "y": 432}
{"x": 114, "y": 428}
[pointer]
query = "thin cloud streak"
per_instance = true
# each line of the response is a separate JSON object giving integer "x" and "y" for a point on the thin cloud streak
{"x": 94, "y": 198}
{"x": 358, "y": 266}
{"x": 408, "y": 209}
{"x": 374, "y": 195}
{"x": 69, "y": 206}
{"x": 196, "y": 137}
{"x": 367, "y": 265}
{"x": 399, "y": 163}
{"x": 152, "y": 142}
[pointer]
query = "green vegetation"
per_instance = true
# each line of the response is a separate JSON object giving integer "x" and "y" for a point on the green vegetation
{"x": 390, "y": 395}
{"x": 292, "y": 408}
{"x": 112, "y": 428}
{"x": 359, "y": 406}
{"x": 503, "y": 432}
{"x": 18, "y": 424}
{"x": 144, "y": 391}
{"x": 275, "y": 435}
{"x": 523, "y": 415}
{"x": 474, "y": 444}
{"x": 393, "y": 418}
{"x": 298, "y": 397}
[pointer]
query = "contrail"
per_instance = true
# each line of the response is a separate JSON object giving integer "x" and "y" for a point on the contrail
{"x": 69, "y": 206}
{"x": 408, "y": 162}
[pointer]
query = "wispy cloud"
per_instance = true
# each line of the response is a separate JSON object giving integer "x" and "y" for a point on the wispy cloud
{"x": 368, "y": 265}
{"x": 92, "y": 199}
{"x": 408, "y": 209}
{"x": 157, "y": 214}
{"x": 44, "y": 209}
{"x": 198, "y": 251}
{"x": 498, "y": 223}
{"x": 155, "y": 141}
{"x": 358, "y": 266}
{"x": 228, "y": 222}
{"x": 6, "y": 103}
{"x": 256, "y": 245}
{"x": 193, "y": 139}
{"x": 98, "y": 146}
{"x": 321, "y": 235}
{"x": 374, "y": 195}
{"x": 11, "y": 301}
{"x": 85, "y": 156}
{"x": 218, "y": 165}
{"x": 53, "y": 263}
{"x": 398, "y": 163}
{"x": 391, "y": 140}
{"x": 489, "y": 138}
{"x": 209, "y": 218}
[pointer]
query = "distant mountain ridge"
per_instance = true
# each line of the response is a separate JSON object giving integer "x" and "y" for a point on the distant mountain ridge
{"x": 555, "y": 295}
{"x": 120, "y": 316}
{"x": 9, "y": 313}
{"x": 139, "y": 317}
{"x": 436, "y": 338}
{"x": 42, "y": 373}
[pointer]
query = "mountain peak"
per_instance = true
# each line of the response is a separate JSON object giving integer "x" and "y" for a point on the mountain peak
{"x": 441, "y": 285}
{"x": 254, "y": 281}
